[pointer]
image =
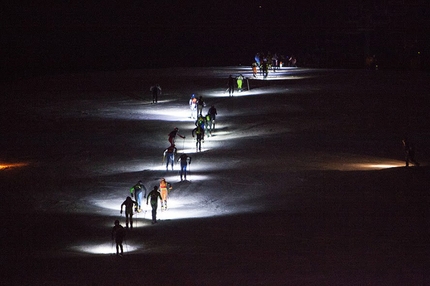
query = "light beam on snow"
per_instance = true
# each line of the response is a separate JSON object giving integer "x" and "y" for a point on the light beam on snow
{"x": 105, "y": 248}
{"x": 4, "y": 166}
{"x": 179, "y": 207}
{"x": 382, "y": 166}
{"x": 183, "y": 208}
{"x": 374, "y": 165}
{"x": 171, "y": 113}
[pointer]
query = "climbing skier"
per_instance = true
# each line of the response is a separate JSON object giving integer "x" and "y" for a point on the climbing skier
{"x": 118, "y": 234}
{"x": 156, "y": 91}
{"x": 409, "y": 152}
{"x": 208, "y": 124}
{"x": 172, "y": 135}
{"x": 230, "y": 85}
{"x": 200, "y": 104}
{"x": 154, "y": 195}
{"x": 239, "y": 81}
{"x": 128, "y": 203}
{"x": 199, "y": 133}
{"x": 137, "y": 191}
{"x": 193, "y": 105}
{"x": 212, "y": 112}
{"x": 165, "y": 188}
{"x": 185, "y": 160}
{"x": 169, "y": 153}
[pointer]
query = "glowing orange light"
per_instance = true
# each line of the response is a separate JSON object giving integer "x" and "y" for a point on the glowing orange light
{"x": 12, "y": 165}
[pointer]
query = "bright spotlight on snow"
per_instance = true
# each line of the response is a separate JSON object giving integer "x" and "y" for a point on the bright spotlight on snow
{"x": 181, "y": 113}
{"x": 182, "y": 208}
{"x": 105, "y": 248}
{"x": 383, "y": 166}
{"x": 380, "y": 165}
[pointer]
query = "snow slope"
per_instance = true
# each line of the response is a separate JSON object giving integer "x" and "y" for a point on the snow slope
{"x": 302, "y": 183}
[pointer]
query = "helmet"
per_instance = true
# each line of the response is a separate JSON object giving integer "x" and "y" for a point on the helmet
{"x": 193, "y": 95}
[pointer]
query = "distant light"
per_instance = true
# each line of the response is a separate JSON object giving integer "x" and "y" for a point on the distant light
{"x": 419, "y": 53}
{"x": 12, "y": 165}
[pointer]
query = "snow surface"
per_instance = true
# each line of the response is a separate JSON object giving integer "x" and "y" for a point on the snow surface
{"x": 302, "y": 183}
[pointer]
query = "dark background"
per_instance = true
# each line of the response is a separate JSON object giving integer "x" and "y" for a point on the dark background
{"x": 65, "y": 36}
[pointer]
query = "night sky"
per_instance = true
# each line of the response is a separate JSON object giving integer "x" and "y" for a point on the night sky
{"x": 64, "y": 36}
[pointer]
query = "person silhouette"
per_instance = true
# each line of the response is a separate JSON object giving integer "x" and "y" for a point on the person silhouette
{"x": 118, "y": 234}
{"x": 154, "y": 196}
{"x": 128, "y": 203}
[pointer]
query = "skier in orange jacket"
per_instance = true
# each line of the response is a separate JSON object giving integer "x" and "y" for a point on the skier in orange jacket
{"x": 165, "y": 188}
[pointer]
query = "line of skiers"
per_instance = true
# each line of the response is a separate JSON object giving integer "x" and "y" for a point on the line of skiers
{"x": 161, "y": 191}
{"x": 138, "y": 191}
{"x": 235, "y": 81}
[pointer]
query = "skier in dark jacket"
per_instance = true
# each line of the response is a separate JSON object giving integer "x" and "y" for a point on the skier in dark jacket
{"x": 137, "y": 191}
{"x": 156, "y": 91}
{"x": 172, "y": 135}
{"x": 409, "y": 152}
{"x": 200, "y": 104}
{"x": 185, "y": 160}
{"x": 169, "y": 154}
{"x": 230, "y": 85}
{"x": 128, "y": 203}
{"x": 154, "y": 195}
{"x": 118, "y": 234}
{"x": 200, "y": 133}
{"x": 212, "y": 112}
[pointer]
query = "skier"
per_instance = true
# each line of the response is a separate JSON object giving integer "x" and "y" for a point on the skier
{"x": 200, "y": 104}
{"x": 239, "y": 81}
{"x": 128, "y": 203}
{"x": 154, "y": 195}
{"x": 165, "y": 188}
{"x": 409, "y": 152}
{"x": 170, "y": 153}
{"x": 201, "y": 121}
{"x": 185, "y": 160}
{"x": 200, "y": 133}
{"x": 212, "y": 112}
{"x": 254, "y": 69}
{"x": 136, "y": 192}
{"x": 193, "y": 105}
{"x": 230, "y": 85}
{"x": 118, "y": 234}
{"x": 275, "y": 62}
{"x": 156, "y": 91}
{"x": 208, "y": 124}
{"x": 257, "y": 59}
{"x": 265, "y": 69}
{"x": 172, "y": 135}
